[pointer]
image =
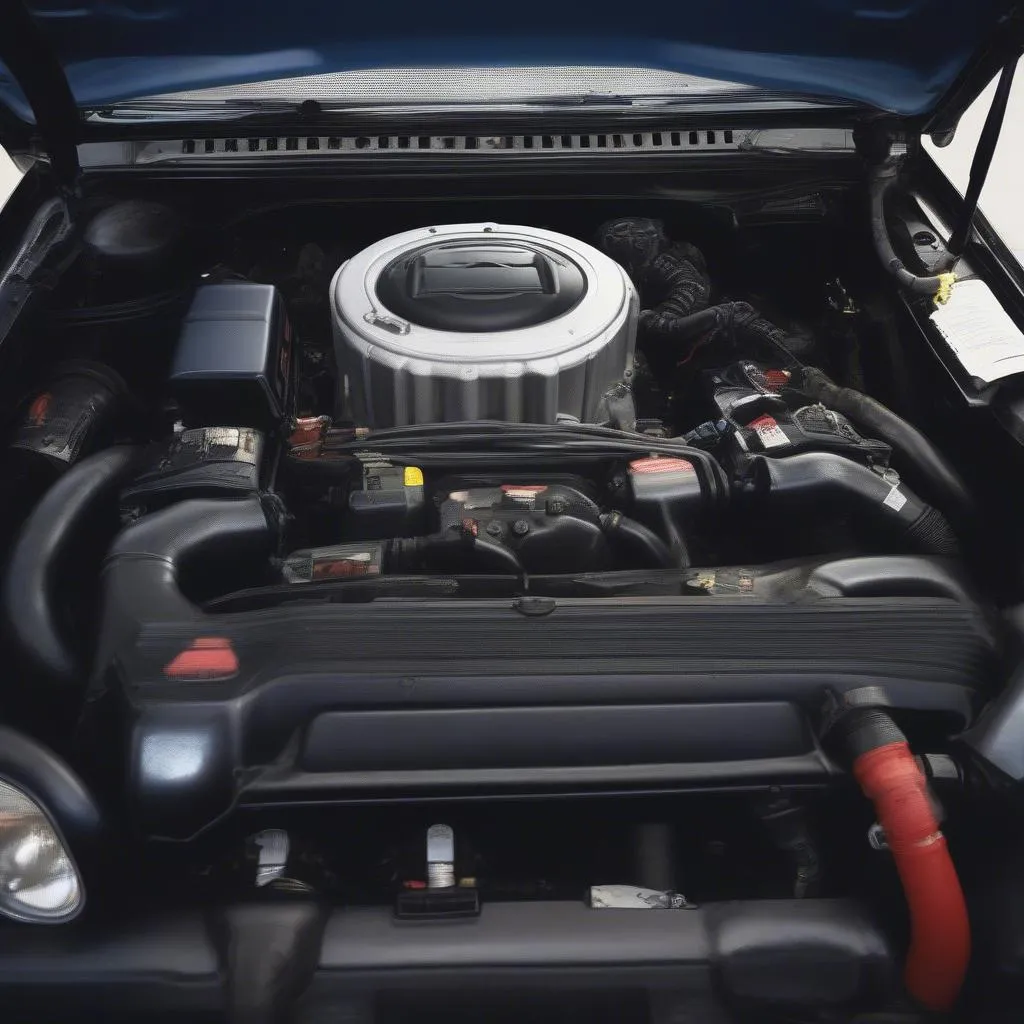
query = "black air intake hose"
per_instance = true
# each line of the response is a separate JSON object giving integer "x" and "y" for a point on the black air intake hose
{"x": 73, "y": 414}
{"x": 44, "y": 551}
{"x": 140, "y": 577}
{"x": 803, "y": 481}
{"x": 640, "y": 541}
{"x": 445, "y": 550}
{"x": 917, "y": 458}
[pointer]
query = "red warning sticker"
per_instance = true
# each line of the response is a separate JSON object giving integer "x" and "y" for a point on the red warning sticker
{"x": 768, "y": 431}
{"x": 776, "y": 380}
{"x": 661, "y": 464}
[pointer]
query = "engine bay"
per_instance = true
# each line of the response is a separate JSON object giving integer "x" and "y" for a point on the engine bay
{"x": 489, "y": 401}
{"x": 509, "y": 525}
{"x": 569, "y": 561}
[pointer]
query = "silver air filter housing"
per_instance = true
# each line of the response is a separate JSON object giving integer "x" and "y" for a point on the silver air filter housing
{"x": 481, "y": 321}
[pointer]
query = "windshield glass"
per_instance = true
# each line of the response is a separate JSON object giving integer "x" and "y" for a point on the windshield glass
{"x": 467, "y": 85}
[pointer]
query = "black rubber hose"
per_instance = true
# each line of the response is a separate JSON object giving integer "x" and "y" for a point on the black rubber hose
{"x": 495, "y": 556}
{"x": 882, "y": 179}
{"x": 671, "y": 277}
{"x": 34, "y": 580}
{"x": 738, "y": 322}
{"x": 641, "y": 541}
{"x": 806, "y": 480}
{"x": 438, "y": 550}
{"x": 680, "y": 275}
{"x": 675, "y": 288}
{"x": 141, "y": 573}
{"x": 917, "y": 458}
{"x": 861, "y": 730}
{"x": 212, "y": 531}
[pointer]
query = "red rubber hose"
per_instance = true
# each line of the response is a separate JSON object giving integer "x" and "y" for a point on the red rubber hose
{"x": 940, "y": 942}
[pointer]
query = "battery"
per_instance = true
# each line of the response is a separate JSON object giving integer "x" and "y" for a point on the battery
{"x": 233, "y": 362}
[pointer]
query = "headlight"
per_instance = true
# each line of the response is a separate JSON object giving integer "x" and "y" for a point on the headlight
{"x": 38, "y": 879}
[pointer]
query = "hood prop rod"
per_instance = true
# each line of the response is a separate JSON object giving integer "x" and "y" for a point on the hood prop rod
{"x": 983, "y": 159}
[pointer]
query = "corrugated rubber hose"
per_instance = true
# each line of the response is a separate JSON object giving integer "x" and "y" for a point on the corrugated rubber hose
{"x": 940, "y": 941}
{"x": 675, "y": 289}
{"x": 804, "y": 481}
{"x": 916, "y": 457}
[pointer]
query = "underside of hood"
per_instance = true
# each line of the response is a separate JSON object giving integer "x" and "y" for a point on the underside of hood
{"x": 900, "y": 56}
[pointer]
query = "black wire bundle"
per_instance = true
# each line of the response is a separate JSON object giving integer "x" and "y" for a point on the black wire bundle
{"x": 493, "y": 444}
{"x": 675, "y": 289}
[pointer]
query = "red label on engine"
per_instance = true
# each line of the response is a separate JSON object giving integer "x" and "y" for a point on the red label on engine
{"x": 343, "y": 567}
{"x": 776, "y": 380}
{"x": 770, "y": 434}
{"x": 661, "y": 464}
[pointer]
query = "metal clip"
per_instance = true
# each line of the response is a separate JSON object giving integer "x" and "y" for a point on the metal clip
{"x": 274, "y": 846}
{"x": 391, "y": 324}
{"x": 440, "y": 857}
{"x": 876, "y": 837}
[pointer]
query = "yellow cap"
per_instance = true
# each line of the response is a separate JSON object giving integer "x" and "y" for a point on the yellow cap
{"x": 413, "y": 476}
{"x": 945, "y": 289}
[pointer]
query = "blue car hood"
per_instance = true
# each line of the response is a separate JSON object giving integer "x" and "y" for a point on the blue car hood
{"x": 895, "y": 55}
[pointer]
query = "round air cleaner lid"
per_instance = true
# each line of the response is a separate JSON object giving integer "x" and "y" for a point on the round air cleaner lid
{"x": 480, "y": 285}
{"x": 481, "y": 321}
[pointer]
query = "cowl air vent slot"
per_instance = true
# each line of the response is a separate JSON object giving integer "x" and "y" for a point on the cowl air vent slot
{"x": 627, "y": 142}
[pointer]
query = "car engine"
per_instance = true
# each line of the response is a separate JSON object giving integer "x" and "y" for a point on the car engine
{"x": 484, "y": 409}
{"x": 543, "y": 564}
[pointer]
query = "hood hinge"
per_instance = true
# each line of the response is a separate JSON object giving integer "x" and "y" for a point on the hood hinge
{"x": 29, "y": 57}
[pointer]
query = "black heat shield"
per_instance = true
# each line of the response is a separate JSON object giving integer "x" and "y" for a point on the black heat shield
{"x": 331, "y": 701}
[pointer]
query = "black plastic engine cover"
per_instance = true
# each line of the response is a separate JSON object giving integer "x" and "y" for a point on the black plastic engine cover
{"x": 243, "y": 708}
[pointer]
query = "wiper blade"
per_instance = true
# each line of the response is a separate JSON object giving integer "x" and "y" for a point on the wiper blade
{"x": 194, "y": 110}
{"x": 199, "y": 108}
